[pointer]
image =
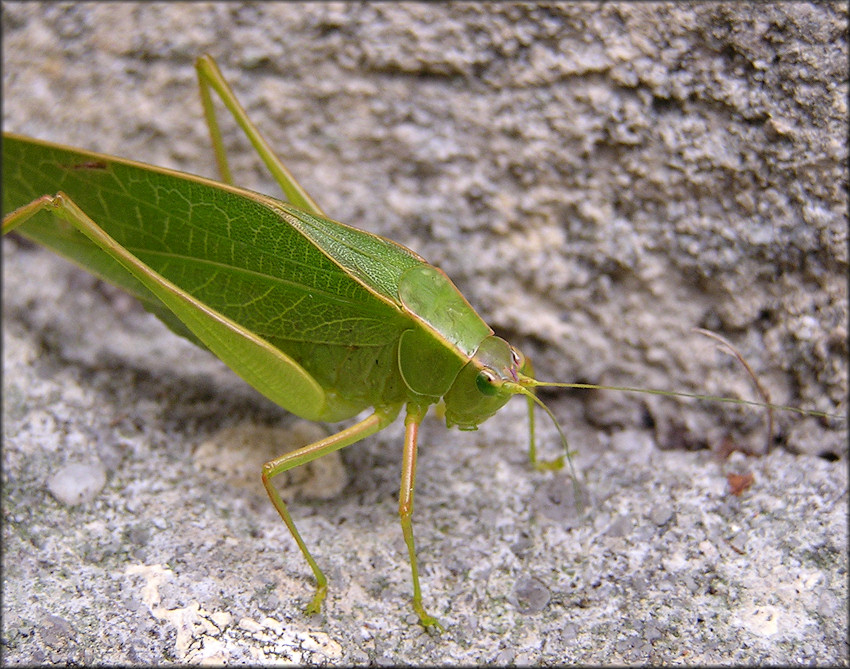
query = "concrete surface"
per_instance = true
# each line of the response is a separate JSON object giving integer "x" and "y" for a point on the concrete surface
{"x": 598, "y": 180}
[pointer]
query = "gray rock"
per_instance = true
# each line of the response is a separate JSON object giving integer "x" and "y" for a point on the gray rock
{"x": 598, "y": 179}
{"x": 77, "y": 483}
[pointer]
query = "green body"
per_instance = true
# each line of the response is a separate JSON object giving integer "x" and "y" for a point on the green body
{"x": 366, "y": 319}
{"x": 323, "y": 319}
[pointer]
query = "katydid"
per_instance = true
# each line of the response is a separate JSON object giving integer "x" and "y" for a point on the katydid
{"x": 320, "y": 317}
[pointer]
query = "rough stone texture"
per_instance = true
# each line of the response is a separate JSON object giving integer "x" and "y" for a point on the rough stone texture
{"x": 598, "y": 179}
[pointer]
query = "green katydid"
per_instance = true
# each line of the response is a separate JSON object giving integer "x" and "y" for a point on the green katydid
{"x": 323, "y": 319}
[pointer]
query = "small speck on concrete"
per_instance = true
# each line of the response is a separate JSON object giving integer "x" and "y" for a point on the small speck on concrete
{"x": 660, "y": 515}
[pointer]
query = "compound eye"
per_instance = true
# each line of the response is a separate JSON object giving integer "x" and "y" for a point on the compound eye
{"x": 486, "y": 381}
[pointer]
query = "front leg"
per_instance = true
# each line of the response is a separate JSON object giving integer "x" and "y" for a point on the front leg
{"x": 374, "y": 423}
{"x": 415, "y": 414}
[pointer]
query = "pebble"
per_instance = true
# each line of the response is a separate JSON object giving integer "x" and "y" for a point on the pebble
{"x": 77, "y": 483}
{"x": 531, "y": 595}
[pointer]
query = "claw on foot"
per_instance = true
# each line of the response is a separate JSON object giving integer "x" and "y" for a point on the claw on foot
{"x": 429, "y": 622}
{"x": 549, "y": 465}
{"x": 315, "y": 606}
